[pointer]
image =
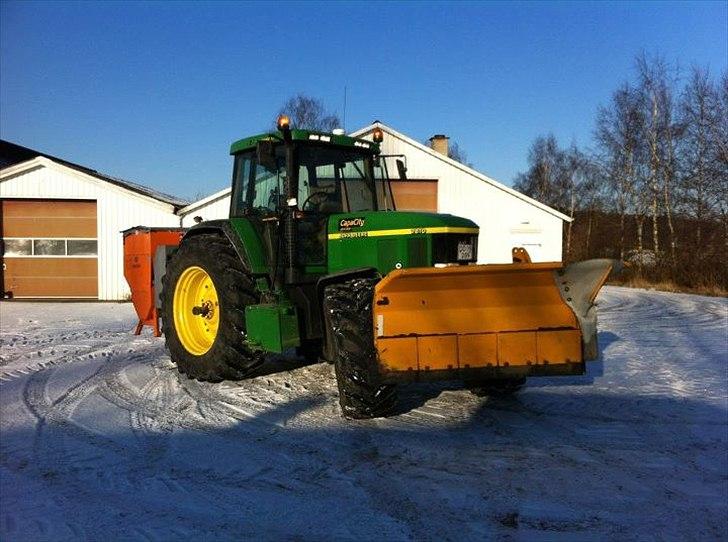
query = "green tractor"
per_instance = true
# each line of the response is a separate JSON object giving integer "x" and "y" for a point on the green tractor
{"x": 314, "y": 257}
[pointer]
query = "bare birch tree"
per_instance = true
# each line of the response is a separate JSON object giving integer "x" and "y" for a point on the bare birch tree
{"x": 309, "y": 113}
{"x": 618, "y": 130}
{"x": 699, "y": 148}
{"x": 544, "y": 179}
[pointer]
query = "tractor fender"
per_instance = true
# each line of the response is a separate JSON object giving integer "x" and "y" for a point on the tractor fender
{"x": 223, "y": 228}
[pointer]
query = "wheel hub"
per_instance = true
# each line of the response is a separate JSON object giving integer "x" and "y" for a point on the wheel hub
{"x": 206, "y": 310}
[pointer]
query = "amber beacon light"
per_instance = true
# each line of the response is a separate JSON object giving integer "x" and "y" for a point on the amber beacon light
{"x": 378, "y": 135}
{"x": 284, "y": 123}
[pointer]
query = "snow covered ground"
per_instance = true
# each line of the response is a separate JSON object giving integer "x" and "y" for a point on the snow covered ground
{"x": 102, "y": 439}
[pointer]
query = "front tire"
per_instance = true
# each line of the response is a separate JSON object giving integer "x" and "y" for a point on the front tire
{"x": 348, "y": 307}
{"x": 204, "y": 294}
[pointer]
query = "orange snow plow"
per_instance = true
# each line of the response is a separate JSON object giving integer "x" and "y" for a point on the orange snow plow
{"x": 515, "y": 319}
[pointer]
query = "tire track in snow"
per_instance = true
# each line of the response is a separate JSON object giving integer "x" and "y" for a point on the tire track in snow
{"x": 55, "y": 426}
{"x": 511, "y": 458}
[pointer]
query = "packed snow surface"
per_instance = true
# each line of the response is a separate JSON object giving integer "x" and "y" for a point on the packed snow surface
{"x": 102, "y": 439}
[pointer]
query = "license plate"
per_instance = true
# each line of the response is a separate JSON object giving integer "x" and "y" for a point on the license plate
{"x": 465, "y": 250}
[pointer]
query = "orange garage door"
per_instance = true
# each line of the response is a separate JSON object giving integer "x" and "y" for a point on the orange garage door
{"x": 49, "y": 248}
{"x": 415, "y": 194}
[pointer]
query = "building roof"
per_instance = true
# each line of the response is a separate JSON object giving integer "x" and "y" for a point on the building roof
{"x": 221, "y": 194}
{"x": 377, "y": 124}
{"x": 12, "y": 154}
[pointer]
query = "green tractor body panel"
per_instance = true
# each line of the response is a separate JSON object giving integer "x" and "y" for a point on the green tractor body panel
{"x": 383, "y": 240}
{"x": 253, "y": 244}
{"x": 393, "y": 240}
{"x": 272, "y": 327}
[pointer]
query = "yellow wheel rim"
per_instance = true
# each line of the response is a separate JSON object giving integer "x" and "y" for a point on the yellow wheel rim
{"x": 196, "y": 310}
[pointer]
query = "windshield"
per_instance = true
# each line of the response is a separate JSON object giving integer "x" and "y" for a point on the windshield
{"x": 334, "y": 180}
{"x": 330, "y": 180}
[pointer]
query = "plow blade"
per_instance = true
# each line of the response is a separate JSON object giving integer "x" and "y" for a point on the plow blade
{"x": 521, "y": 318}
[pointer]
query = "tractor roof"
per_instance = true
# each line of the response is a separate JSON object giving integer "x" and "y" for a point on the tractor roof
{"x": 249, "y": 143}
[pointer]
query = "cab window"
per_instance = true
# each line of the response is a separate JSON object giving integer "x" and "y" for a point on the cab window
{"x": 256, "y": 188}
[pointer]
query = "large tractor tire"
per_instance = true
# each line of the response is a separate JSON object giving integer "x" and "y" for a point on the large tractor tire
{"x": 204, "y": 294}
{"x": 348, "y": 309}
{"x": 496, "y": 387}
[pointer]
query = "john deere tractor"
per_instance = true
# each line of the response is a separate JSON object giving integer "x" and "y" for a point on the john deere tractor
{"x": 314, "y": 257}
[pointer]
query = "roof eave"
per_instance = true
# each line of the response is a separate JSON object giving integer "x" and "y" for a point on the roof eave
{"x": 42, "y": 161}
{"x": 204, "y": 201}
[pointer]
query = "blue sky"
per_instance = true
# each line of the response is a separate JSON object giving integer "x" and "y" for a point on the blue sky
{"x": 156, "y": 92}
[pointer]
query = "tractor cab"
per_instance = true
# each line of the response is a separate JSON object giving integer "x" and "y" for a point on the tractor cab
{"x": 301, "y": 178}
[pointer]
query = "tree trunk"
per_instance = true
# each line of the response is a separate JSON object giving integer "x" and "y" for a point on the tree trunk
{"x": 654, "y": 171}
{"x": 667, "y": 193}
{"x": 621, "y": 234}
{"x": 588, "y": 231}
{"x": 655, "y": 227}
{"x": 569, "y": 227}
{"x": 640, "y": 246}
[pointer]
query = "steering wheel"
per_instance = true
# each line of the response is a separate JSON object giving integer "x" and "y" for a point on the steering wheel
{"x": 312, "y": 197}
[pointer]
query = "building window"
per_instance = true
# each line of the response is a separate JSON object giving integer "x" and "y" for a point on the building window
{"x": 49, "y": 248}
{"x": 18, "y": 247}
{"x": 81, "y": 247}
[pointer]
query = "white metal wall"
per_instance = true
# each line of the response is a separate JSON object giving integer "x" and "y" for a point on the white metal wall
{"x": 505, "y": 220}
{"x": 117, "y": 208}
{"x": 217, "y": 207}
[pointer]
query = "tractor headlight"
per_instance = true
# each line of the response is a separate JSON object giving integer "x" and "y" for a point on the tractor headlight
{"x": 454, "y": 248}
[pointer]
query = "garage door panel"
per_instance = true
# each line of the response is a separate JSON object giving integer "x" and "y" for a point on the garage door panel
{"x": 64, "y": 288}
{"x": 41, "y": 218}
{"x": 52, "y": 277}
{"x": 47, "y": 227}
{"x": 48, "y": 208}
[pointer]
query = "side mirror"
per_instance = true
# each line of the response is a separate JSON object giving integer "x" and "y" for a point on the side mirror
{"x": 266, "y": 155}
{"x": 402, "y": 170}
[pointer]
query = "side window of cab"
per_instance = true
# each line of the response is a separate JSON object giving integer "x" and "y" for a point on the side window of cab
{"x": 256, "y": 188}
{"x": 241, "y": 183}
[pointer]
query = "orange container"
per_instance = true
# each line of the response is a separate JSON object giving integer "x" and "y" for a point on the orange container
{"x": 140, "y": 246}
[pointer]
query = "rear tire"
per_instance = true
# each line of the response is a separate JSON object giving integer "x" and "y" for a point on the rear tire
{"x": 496, "y": 387}
{"x": 348, "y": 307}
{"x": 228, "y": 356}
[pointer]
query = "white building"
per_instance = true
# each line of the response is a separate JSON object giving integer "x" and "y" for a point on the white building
{"x": 214, "y": 206}
{"x": 61, "y": 226}
{"x": 61, "y": 222}
{"x": 435, "y": 182}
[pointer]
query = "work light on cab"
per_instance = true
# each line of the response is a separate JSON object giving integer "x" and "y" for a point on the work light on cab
{"x": 284, "y": 123}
